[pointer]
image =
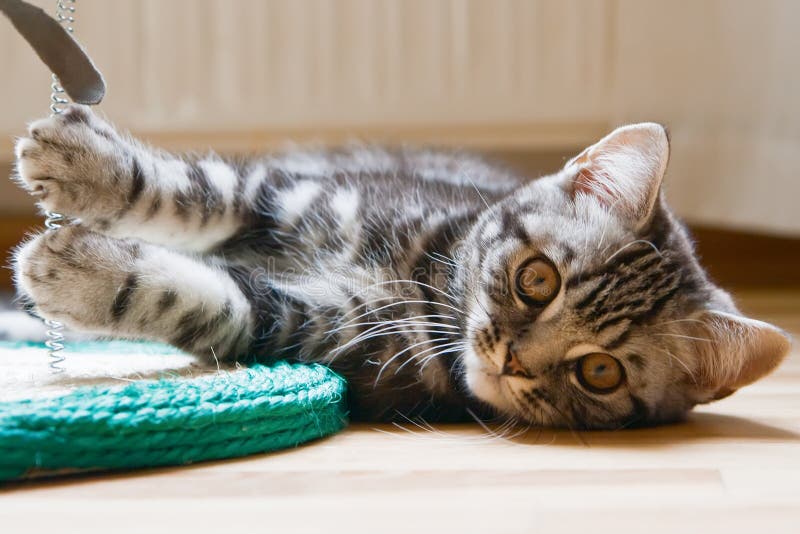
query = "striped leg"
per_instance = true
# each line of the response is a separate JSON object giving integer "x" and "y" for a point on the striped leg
{"x": 78, "y": 165}
{"x": 124, "y": 288}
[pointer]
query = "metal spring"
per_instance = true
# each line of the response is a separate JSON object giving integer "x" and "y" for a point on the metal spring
{"x": 65, "y": 15}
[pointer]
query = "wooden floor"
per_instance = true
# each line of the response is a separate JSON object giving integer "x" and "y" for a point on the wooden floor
{"x": 734, "y": 466}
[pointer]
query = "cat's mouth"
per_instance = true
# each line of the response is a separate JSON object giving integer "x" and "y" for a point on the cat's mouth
{"x": 485, "y": 380}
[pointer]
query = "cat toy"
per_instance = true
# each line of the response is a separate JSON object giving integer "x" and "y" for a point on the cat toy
{"x": 55, "y": 330}
{"x": 146, "y": 423}
{"x": 73, "y": 75}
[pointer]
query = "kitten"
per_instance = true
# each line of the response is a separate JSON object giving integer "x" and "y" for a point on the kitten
{"x": 434, "y": 283}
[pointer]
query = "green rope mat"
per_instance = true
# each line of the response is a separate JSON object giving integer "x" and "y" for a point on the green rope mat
{"x": 170, "y": 421}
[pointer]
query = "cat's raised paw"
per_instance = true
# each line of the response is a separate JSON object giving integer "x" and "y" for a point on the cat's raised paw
{"x": 73, "y": 275}
{"x": 65, "y": 157}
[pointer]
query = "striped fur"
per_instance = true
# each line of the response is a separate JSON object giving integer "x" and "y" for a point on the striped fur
{"x": 393, "y": 267}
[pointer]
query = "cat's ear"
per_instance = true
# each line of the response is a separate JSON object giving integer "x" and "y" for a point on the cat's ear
{"x": 623, "y": 170}
{"x": 735, "y": 351}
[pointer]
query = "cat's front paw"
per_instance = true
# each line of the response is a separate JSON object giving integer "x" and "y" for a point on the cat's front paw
{"x": 67, "y": 159}
{"x": 75, "y": 276}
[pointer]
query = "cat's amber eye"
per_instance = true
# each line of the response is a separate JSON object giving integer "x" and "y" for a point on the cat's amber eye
{"x": 537, "y": 282}
{"x": 600, "y": 373}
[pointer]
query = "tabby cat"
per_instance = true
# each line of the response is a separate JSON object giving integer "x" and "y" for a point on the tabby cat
{"x": 438, "y": 285}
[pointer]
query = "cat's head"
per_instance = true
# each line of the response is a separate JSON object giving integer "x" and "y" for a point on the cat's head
{"x": 587, "y": 307}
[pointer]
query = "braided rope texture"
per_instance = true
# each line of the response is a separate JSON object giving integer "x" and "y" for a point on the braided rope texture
{"x": 171, "y": 421}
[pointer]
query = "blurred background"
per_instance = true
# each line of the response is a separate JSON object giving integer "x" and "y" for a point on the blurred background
{"x": 529, "y": 82}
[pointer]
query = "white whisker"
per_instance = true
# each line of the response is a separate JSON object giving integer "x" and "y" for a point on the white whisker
{"x": 405, "y": 320}
{"x": 681, "y": 362}
{"x": 416, "y": 356}
{"x": 400, "y": 353}
{"x": 684, "y": 337}
{"x": 388, "y": 332}
{"x": 428, "y": 359}
{"x": 400, "y": 304}
{"x": 633, "y": 243}
{"x": 682, "y": 321}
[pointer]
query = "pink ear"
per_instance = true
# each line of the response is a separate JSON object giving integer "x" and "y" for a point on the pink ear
{"x": 624, "y": 170}
{"x": 735, "y": 351}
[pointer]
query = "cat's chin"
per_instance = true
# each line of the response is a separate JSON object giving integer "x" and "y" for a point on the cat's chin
{"x": 485, "y": 386}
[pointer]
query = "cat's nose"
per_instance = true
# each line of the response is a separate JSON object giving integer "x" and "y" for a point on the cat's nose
{"x": 512, "y": 367}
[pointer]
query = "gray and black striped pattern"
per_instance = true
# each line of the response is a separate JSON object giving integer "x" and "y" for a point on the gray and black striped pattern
{"x": 393, "y": 267}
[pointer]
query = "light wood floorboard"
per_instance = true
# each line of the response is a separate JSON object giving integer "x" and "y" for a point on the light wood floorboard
{"x": 733, "y": 466}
